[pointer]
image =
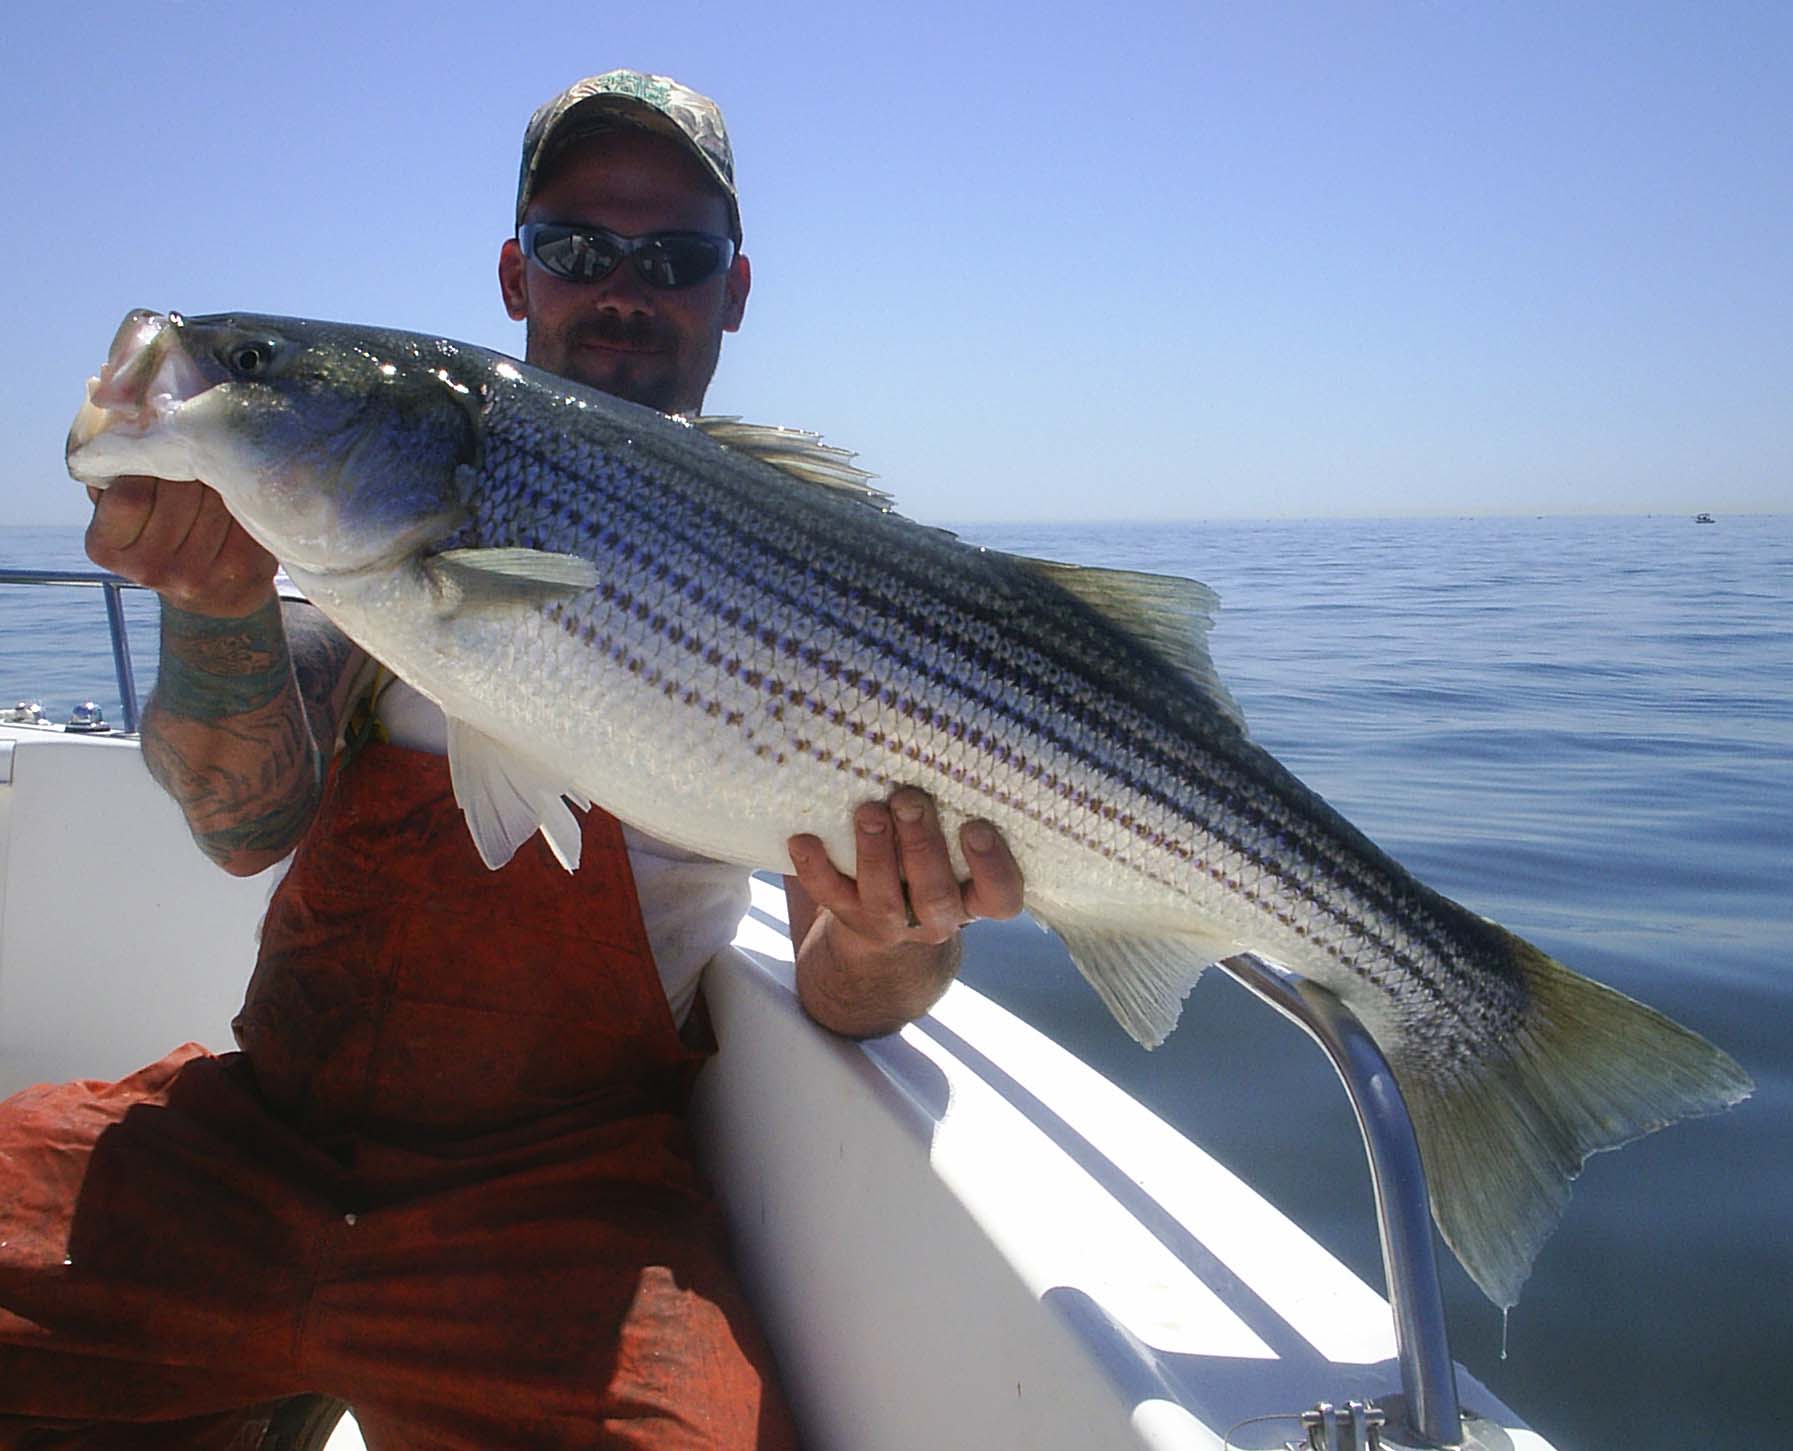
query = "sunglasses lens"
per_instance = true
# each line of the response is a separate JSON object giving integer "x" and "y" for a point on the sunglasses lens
{"x": 665, "y": 260}
{"x": 577, "y": 256}
{"x": 681, "y": 261}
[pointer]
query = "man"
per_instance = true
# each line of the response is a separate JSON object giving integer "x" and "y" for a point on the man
{"x": 447, "y": 1177}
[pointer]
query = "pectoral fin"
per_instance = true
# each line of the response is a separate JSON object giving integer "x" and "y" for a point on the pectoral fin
{"x": 466, "y": 579}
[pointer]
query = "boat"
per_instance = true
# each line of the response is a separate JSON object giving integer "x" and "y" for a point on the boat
{"x": 1704, "y": 519}
{"x": 975, "y": 1240}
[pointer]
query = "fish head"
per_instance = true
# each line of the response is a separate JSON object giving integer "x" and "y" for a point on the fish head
{"x": 337, "y": 448}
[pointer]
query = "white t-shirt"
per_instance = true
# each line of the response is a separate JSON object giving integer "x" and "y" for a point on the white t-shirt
{"x": 689, "y": 905}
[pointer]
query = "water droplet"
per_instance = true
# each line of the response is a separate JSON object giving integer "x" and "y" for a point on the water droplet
{"x": 1505, "y": 1315}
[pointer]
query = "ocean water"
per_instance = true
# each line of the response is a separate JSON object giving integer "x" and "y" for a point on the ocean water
{"x": 1580, "y": 727}
{"x": 55, "y": 649}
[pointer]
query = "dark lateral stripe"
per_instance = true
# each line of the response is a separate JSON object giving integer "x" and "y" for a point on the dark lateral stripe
{"x": 1078, "y": 797}
{"x": 1285, "y": 826}
{"x": 892, "y": 581}
{"x": 718, "y": 549}
{"x": 1365, "y": 906}
{"x": 1266, "y": 866}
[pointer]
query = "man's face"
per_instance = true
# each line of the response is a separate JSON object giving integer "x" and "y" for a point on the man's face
{"x": 621, "y": 334}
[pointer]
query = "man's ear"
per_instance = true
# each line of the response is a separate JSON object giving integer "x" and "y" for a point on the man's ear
{"x": 513, "y": 280}
{"x": 735, "y": 290}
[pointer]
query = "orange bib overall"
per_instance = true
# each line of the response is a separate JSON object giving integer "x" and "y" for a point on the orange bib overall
{"x": 447, "y": 1178}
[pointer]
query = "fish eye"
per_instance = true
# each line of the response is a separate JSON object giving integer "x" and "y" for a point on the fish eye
{"x": 249, "y": 360}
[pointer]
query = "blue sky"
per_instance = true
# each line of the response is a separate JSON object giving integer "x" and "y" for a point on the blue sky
{"x": 1030, "y": 260}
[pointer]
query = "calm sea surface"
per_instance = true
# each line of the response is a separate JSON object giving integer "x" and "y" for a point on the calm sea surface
{"x": 1580, "y": 727}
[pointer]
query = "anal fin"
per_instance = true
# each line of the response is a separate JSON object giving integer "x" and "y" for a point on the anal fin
{"x": 1141, "y": 977}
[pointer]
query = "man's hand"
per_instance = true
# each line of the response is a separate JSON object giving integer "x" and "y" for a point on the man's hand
{"x": 877, "y": 949}
{"x": 180, "y": 541}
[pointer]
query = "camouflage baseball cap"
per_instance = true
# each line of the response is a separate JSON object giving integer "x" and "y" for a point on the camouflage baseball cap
{"x": 629, "y": 98}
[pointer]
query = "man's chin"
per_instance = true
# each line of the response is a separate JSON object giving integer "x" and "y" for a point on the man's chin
{"x": 643, "y": 378}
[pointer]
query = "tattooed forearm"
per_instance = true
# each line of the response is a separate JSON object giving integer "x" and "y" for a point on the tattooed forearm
{"x": 275, "y": 832}
{"x": 247, "y": 783}
{"x": 218, "y": 668}
{"x": 219, "y": 770}
{"x": 228, "y": 736}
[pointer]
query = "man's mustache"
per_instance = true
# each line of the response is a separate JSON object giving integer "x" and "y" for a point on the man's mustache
{"x": 634, "y": 330}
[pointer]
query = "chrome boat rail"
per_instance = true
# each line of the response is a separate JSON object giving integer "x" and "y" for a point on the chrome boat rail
{"x": 113, "y": 587}
{"x": 1428, "y": 1404}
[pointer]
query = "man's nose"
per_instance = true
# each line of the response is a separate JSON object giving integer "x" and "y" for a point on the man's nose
{"x": 624, "y": 289}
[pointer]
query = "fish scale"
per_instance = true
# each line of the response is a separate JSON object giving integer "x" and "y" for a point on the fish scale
{"x": 665, "y": 545}
{"x": 643, "y": 579}
{"x": 722, "y": 634}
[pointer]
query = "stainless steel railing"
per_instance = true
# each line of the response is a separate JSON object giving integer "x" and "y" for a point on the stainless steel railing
{"x": 112, "y": 587}
{"x": 1429, "y": 1404}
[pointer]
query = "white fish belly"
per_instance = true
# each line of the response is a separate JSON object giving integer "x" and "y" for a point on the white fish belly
{"x": 696, "y": 754}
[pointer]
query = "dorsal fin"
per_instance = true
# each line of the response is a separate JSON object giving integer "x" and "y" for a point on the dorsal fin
{"x": 794, "y": 452}
{"x": 1170, "y": 616}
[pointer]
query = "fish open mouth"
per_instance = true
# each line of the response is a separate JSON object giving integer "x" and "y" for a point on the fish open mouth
{"x": 146, "y": 379}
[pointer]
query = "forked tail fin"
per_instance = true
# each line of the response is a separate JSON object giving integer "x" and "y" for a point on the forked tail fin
{"x": 1589, "y": 1069}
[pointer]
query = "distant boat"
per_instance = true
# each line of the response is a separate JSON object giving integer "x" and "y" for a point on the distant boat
{"x": 1704, "y": 519}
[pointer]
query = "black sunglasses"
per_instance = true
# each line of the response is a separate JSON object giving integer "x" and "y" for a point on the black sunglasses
{"x": 590, "y": 254}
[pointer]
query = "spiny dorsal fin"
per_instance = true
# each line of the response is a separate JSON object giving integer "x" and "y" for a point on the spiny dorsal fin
{"x": 1171, "y": 617}
{"x": 794, "y": 452}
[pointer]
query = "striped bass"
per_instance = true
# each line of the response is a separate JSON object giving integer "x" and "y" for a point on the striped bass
{"x": 723, "y": 635}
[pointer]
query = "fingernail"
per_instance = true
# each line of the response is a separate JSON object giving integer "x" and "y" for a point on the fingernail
{"x": 906, "y": 811}
{"x": 873, "y": 823}
{"x": 979, "y": 837}
{"x": 799, "y": 853}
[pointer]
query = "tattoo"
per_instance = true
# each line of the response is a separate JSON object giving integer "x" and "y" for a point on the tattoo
{"x": 247, "y": 782}
{"x": 277, "y": 831}
{"x": 218, "y": 668}
{"x": 242, "y": 723}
